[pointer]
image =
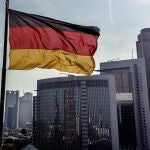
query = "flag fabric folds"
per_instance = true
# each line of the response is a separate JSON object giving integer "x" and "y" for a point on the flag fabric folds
{"x": 37, "y": 41}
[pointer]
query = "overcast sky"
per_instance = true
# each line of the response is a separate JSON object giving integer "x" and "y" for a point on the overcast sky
{"x": 120, "y": 22}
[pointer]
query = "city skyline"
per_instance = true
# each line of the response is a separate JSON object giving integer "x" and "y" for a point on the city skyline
{"x": 107, "y": 110}
{"x": 18, "y": 110}
{"x": 119, "y": 30}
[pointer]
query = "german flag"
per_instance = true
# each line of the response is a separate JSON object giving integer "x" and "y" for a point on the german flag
{"x": 37, "y": 41}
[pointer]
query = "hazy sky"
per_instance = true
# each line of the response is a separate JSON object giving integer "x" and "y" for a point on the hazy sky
{"x": 120, "y": 22}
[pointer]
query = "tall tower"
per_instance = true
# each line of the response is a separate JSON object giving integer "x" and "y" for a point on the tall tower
{"x": 25, "y": 110}
{"x": 11, "y": 109}
{"x": 130, "y": 76}
{"x": 143, "y": 51}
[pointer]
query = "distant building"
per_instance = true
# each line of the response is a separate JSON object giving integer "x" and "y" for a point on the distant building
{"x": 74, "y": 113}
{"x": 25, "y": 110}
{"x": 11, "y": 109}
{"x": 130, "y": 76}
{"x": 143, "y": 51}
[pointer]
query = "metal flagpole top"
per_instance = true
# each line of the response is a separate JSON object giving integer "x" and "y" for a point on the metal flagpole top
{"x": 7, "y": 4}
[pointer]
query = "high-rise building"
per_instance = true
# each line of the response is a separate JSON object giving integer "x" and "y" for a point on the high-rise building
{"x": 143, "y": 51}
{"x": 130, "y": 76}
{"x": 126, "y": 121}
{"x": 25, "y": 110}
{"x": 11, "y": 109}
{"x": 74, "y": 113}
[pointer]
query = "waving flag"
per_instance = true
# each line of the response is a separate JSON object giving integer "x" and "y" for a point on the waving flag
{"x": 37, "y": 41}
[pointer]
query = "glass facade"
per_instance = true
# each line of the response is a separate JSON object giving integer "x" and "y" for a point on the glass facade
{"x": 143, "y": 51}
{"x": 130, "y": 79}
{"x": 72, "y": 114}
{"x": 11, "y": 109}
{"x": 125, "y": 111}
{"x": 123, "y": 79}
{"x": 126, "y": 125}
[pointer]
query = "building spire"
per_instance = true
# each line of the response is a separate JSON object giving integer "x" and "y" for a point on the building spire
{"x": 132, "y": 53}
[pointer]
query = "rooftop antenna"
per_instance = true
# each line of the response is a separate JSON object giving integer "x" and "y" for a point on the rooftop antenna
{"x": 113, "y": 59}
{"x": 132, "y": 53}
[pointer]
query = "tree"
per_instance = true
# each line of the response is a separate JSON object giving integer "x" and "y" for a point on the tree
{"x": 9, "y": 147}
{"x": 23, "y": 131}
{"x": 8, "y": 141}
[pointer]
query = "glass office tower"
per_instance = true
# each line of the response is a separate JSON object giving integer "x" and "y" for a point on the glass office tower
{"x": 143, "y": 51}
{"x": 130, "y": 76}
{"x": 76, "y": 113}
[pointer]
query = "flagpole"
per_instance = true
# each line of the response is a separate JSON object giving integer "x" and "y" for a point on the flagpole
{"x": 3, "y": 78}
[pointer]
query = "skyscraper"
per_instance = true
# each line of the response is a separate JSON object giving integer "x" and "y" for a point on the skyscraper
{"x": 74, "y": 113}
{"x": 126, "y": 122}
{"x": 11, "y": 109}
{"x": 143, "y": 51}
{"x": 130, "y": 76}
{"x": 25, "y": 110}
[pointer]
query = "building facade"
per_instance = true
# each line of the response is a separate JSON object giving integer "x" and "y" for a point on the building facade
{"x": 143, "y": 51}
{"x": 75, "y": 113}
{"x": 11, "y": 109}
{"x": 126, "y": 121}
{"x": 130, "y": 76}
{"x": 25, "y": 110}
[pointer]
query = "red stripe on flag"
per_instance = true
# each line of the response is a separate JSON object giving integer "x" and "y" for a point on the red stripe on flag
{"x": 51, "y": 39}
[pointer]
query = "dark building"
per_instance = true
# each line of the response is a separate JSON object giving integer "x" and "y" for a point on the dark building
{"x": 143, "y": 51}
{"x": 11, "y": 109}
{"x": 75, "y": 113}
{"x": 10, "y": 117}
{"x": 126, "y": 124}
